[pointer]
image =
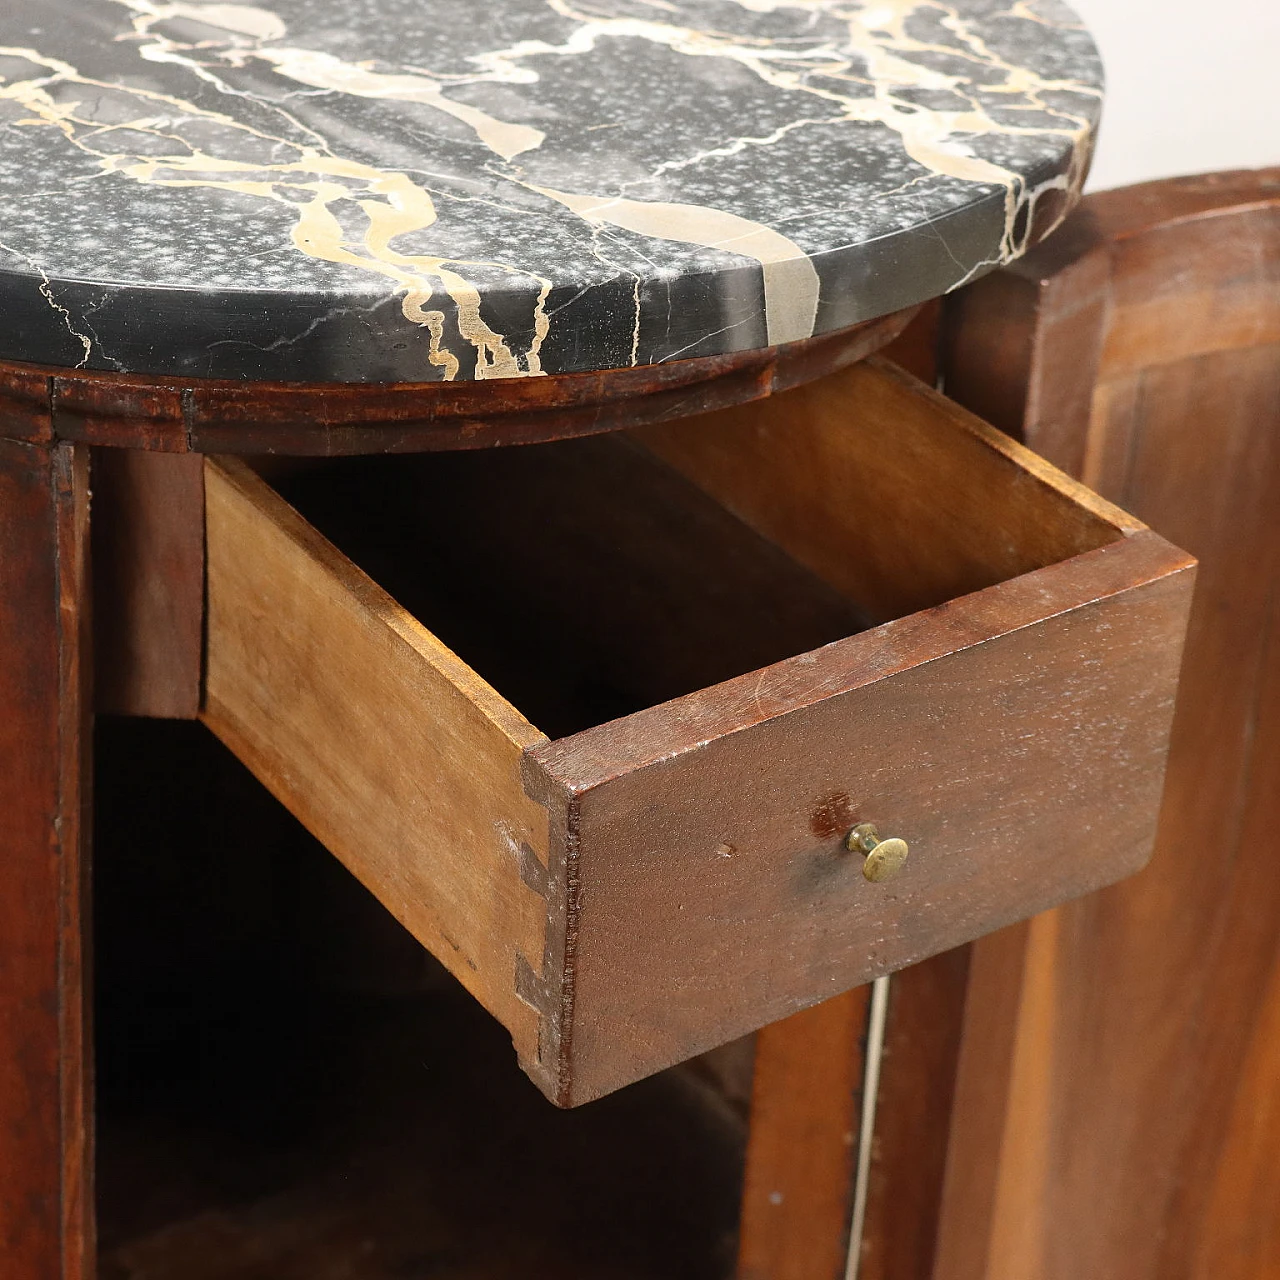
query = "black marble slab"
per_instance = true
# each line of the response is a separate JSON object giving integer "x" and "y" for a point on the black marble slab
{"x": 408, "y": 190}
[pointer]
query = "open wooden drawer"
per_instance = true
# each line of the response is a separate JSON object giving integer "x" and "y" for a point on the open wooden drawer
{"x": 747, "y": 633}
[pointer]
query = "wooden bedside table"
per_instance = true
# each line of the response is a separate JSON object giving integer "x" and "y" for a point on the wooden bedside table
{"x": 275, "y": 232}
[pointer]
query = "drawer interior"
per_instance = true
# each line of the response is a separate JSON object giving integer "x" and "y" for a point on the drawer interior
{"x": 584, "y": 580}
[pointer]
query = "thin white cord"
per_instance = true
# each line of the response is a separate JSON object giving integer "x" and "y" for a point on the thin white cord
{"x": 867, "y": 1128}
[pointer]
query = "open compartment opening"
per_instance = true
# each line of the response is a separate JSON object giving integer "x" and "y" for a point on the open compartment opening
{"x": 289, "y": 1088}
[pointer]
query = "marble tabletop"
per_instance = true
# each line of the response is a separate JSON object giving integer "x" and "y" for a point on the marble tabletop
{"x": 411, "y": 190}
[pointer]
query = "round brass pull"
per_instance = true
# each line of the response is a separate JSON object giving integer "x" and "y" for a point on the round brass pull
{"x": 883, "y": 858}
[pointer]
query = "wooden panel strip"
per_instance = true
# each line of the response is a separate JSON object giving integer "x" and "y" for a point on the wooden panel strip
{"x": 1136, "y": 1075}
{"x": 594, "y": 756}
{"x": 802, "y": 1152}
{"x": 917, "y": 1100}
{"x": 969, "y": 1107}
{"x": 1222, "y": 297}
{"x": 120, "y": 412}
{"x": 46, "y": 1156}
{"x": 148, "y": 555}
{"x": 73, "y": 841}
{"x": 25, "y": 398}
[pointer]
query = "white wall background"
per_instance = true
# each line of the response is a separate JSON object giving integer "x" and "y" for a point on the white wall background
{"x": 1192, "y": 85}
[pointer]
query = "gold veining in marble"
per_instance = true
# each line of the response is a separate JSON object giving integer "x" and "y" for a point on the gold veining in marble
{"x": 324, "y": 190}
{"x": 392, "y": 204}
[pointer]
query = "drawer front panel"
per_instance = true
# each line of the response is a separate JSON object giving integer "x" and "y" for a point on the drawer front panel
{"x": 1019, "y": 755}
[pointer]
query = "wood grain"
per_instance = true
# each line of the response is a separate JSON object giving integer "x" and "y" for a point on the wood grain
{"x": 887, "y": 490}
{"x": 1047, "y": 701}
{"x": 148, "y": 555}
{"x": 763, "y": 466}
{"x": 804, "y": 1234}
{"x": 797, "y": 1197}
{"x": 583, "y": 579}
{"x": 915, "y": 349}
{"x": 46, "y": 1150}
{"x": 971, "y": 1104}
{"x": 920, "y": 1097}
{"x": 119, "y": 410}
{"x": 390, "y": 750}
{"x": 1144, "y": 1059}
{"x": 26, "y": 405}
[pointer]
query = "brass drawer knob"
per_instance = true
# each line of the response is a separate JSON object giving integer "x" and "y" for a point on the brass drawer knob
{"x": 883, "y": 858}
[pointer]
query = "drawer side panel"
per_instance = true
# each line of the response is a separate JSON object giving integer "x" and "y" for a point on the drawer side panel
{"x": 380, "y": 740}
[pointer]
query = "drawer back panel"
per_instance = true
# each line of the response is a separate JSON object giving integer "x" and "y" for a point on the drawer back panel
{"x": 888, "y": 490}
